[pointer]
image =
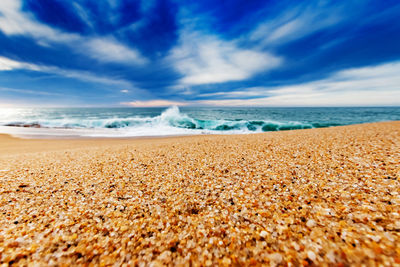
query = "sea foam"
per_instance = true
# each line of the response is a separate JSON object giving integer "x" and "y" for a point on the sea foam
{"x": 127, "y": 122}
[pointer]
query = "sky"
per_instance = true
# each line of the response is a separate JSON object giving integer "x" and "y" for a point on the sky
{"x": 112, "y": 53}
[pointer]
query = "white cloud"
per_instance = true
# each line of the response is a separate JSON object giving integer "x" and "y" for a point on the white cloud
{"x": 124, "y": 91}
{"x": 296, "y": 23}
{"x": 88, "y": 76}
{"x": 30, "y": 92}
{"x": 203, "y": 59}
{"x": 110, "y": 50}
{"x": 13, "y": 21}
{"x": 83, "y": 15}
{"x": 7, "y": 64}
{"x": 154, "y": 103}
{"x": 368, "y": 86}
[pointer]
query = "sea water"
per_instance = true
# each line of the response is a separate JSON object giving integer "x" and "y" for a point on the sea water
{"x": 130, "y": 122}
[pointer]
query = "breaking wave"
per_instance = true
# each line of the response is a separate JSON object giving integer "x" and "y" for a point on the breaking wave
{"x": 171, "y": 121}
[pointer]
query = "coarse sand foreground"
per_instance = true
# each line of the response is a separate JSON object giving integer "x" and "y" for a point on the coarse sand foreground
{"x": 325, "y": 197}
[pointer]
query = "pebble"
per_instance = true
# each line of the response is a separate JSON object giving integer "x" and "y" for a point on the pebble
{"x": 264, "y": 234}
{"x": 275, "y": 258}
{"x": 311, "y": 223}
{"x": 311, "y": 255}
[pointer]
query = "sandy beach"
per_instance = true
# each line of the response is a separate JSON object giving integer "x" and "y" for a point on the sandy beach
{"x": 318, "y": 197}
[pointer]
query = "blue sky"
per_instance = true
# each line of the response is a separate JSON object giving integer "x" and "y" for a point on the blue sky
{"x": 171, "y": 52}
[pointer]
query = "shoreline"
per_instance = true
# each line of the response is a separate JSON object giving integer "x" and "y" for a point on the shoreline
{"x": 33, "y": 133}
{"x": 328, "y": 196}
{"x": 73, "y": 133}
{"x": 14, "y": 144}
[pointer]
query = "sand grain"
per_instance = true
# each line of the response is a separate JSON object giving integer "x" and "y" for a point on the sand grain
{"x": 308, "y": 197}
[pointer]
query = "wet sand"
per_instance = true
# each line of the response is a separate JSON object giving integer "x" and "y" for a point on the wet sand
{"x": 299, "y": 198}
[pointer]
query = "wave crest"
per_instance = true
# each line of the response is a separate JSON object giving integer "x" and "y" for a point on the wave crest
{"x": 170, "y": 121}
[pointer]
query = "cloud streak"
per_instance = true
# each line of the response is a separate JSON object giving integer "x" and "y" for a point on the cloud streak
{"x": 7, "y": 64}
{"x": 298, "y": 22}
{"x": 15, "y": 22}
{"x": 204, "y": 59}
{"x": 109, "y": 50}
{"x": 368, "y": 86}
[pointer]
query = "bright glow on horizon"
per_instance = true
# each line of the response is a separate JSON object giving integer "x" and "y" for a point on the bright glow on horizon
{"x": 154, "y": 103}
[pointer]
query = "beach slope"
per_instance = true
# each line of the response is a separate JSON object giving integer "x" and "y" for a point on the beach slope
{"x": 307, "y": 197}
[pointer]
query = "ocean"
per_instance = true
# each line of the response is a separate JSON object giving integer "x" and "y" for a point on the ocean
{"x": 131, "y": 122}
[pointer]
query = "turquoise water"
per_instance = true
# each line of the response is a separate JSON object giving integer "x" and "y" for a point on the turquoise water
{"x": 199, "y": 120}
